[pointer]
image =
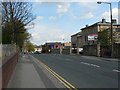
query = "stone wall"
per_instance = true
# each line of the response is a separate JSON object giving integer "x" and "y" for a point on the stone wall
{"x": 55, "y": 51}
{"x": 66, "y": 51}
{"x": 8, "y": 66}
{"x": 90, "y": 50}
{"x": 116, "y": 50}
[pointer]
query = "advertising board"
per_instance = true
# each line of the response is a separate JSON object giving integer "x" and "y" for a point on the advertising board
{"x": 92, "y": 37}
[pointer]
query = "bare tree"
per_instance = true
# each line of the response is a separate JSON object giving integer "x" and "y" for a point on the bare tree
{"x": 17, "y": 11}
{"x": 15, "y": 16}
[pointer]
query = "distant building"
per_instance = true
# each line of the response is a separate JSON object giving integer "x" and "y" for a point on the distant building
{"x": 47, "y": 47}
{"x": 67, "y": 45}
{"x": 53, "y": 45}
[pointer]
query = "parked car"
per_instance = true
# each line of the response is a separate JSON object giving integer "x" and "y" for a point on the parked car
{"x": 37, "y": 52}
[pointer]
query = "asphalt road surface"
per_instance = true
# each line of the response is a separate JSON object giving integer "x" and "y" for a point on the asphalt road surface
{"x": 83, "y": 72}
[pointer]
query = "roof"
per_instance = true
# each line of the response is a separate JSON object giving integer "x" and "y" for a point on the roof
{"x": 79, "y": 33}
{"x": 96, "y": 24}
{"x": 100, "y": 23}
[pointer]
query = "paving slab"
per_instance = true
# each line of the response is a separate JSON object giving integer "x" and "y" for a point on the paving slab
{"x": 25, "y": 76}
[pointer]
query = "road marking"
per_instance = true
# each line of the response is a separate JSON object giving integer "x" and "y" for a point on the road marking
{"x": 89, "y": 64}
{"x": 115, "y": 70}
{"x": 57, "y": 76}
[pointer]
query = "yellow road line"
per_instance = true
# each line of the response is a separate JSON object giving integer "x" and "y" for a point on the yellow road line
{"x": 61, "y": 78}
{"x": 58, "y": 79}
{"x": 57, "y": 76}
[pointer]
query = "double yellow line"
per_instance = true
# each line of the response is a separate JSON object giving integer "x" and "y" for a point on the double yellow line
{"x": 57, "y": 76}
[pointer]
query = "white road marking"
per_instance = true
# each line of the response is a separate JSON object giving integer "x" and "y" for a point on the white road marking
{"x": 116, "y": 70}
{"x": 95, "y": 65}
{"x": 89, "y": 64}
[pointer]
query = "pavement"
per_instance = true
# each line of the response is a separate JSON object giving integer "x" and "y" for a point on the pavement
{"x": 102, "y": 58}
{"x": 29, "y": 74}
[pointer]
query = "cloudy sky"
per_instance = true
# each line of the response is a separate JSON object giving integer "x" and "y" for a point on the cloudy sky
{"x": 57, "y": 21}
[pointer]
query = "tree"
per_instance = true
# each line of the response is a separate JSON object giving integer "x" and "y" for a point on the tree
{"x": 17, "y": 11}
{"x": 15, "y": 16}
{"x": 29, "y": 46}
{"x": 104, "y": 37}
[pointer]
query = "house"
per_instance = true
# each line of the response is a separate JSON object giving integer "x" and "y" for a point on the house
{"x": 90, "y": 36}
{"x": 76, "y": 42}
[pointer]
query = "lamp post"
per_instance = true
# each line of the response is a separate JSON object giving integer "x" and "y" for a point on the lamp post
{"x": 111, "y": 31}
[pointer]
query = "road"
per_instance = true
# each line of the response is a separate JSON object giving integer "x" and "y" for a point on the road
{"x": 82, "y": 72}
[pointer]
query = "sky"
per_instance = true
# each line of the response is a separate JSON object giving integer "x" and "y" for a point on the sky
{"x": 57, "y": 21}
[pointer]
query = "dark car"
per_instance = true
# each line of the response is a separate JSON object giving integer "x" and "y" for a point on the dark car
{"x": 37, "y": 52}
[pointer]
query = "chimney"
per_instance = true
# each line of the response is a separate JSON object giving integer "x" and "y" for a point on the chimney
{"x": 86, "y": 25}
{"x": 103, "y": 20}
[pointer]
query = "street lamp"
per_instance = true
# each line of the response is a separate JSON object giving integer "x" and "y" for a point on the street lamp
{"x": 111, "y": 31}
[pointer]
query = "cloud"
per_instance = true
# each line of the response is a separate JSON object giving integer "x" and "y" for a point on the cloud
{"x": 85, "y": 15}
{"x": 52, "y": 18}
{"x": 60, "y": 0}
{"x": 67, "y": 0}
{"x": 88, "y": 15}
{"x": 39, "y": 18}
{"x": 45, "y": 33}
{"x": 63, "y": 7}
{"x": 106, "y": 14}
